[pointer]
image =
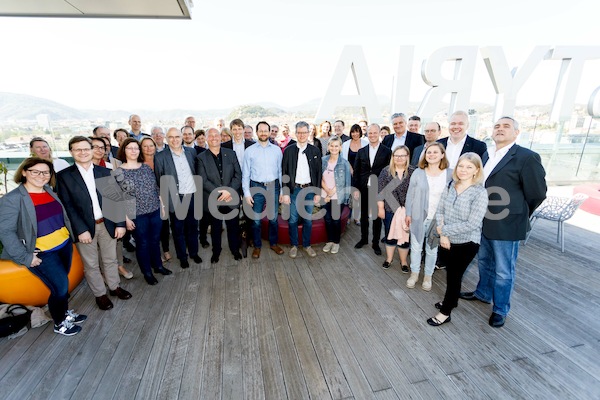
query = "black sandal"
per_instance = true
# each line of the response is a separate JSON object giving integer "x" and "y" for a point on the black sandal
{"x": 436, "y": 322}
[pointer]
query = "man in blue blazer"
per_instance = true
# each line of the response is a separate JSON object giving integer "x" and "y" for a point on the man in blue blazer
{"x": 401, "y": 136}
{"x": 177, "y": 165}
{"x": 458, "y": 142}
{"x": 221, "y": 172}
{"x": 515, "y": 180}
{"x": 82, "y": 188}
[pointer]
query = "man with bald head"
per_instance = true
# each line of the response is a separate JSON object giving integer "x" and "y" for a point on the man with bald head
{"x": 177, "y": 163}
{"x": 458, "y": 142}
{"x": 135, "y": 123}
{"x": 221, "y": 172}
{"x": 432, "y": 133}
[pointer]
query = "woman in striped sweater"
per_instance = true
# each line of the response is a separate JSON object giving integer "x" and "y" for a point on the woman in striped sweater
{"x": 35, "y": 232}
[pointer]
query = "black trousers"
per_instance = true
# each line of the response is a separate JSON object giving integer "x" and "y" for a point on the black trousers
{"x": 364, "y": 220}
{"x": 233, "y": 233}
{"x": 457, "y": 260}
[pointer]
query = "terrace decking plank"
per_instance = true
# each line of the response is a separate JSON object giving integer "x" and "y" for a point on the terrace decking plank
{"x": 334, "y": 326}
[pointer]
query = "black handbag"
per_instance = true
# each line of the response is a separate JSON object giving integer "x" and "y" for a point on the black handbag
{"x": 18, "y": 316}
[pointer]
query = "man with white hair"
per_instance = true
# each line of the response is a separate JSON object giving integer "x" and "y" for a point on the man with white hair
{"x": 159, "y": 138}
{"x": 401, "y": 135}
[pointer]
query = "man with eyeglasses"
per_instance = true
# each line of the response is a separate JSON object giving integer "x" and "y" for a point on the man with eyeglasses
{"x": 178, "y": 164}
{"x": 302, "y": 163}
{"x": 82, "y": 188}
{"x": 432, "y": 133}
{"x": 39, "y": 147}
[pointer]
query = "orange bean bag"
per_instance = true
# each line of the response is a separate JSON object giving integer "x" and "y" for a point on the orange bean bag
{"x": 19, "y": 286}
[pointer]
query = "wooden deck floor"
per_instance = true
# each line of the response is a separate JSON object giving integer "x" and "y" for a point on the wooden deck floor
{"x": 333, "y": 327}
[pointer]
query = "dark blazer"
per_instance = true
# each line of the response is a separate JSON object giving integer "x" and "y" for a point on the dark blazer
{"x": 164, "y": 165}
{"x": 212, "y": 179}
{"x": 289, "y": 164}
{"x": 229, "y": 144}
{"x": 471, "y": 145}
{"x": 74, "y": 195}
{"x": 416, "y": 155}
{"x": 362, "y": 165}
{"x": 412, "y": 140}
{"x": 521, "y": 177}
{"x": 198, "y": 149}
{"x": 18, "y": 230}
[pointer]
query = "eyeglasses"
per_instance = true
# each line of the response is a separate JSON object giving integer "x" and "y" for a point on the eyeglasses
{"x": 35, "y": 172}
{"x": 84, "y": 150}
{"x": 99, "y": 147}
{"x": 400, "y": 155}
{"x": 134, "y": 148}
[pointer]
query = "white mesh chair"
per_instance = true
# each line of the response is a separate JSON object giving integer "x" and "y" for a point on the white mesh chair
{"x": 557, "y": 209}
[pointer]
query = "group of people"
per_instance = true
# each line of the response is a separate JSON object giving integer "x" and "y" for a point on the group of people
{"x": 427, "y": 192}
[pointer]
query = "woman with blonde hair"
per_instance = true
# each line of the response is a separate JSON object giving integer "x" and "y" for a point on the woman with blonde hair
{"x": 325, "y": 133}
{"x": 393, "y": 183}
{"x": 459, "y": 219}
{"x": 424, "y": 193}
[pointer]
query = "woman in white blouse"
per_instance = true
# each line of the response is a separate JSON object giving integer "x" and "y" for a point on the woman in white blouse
{"x": 424, "y": 193}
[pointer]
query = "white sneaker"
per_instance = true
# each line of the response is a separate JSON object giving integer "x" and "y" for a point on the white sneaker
{"x": 309, "y": 250}
{"x": 335, "y": 248}
{"x": 293, "y": 252}
{"x": 327, "y": 247}
{"x": 411, "y": 282}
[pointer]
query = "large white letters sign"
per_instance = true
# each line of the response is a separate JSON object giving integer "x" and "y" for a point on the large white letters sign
{"x": 506, "y": 82}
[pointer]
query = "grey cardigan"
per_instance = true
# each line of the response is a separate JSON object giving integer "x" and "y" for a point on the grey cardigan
{"x": 417, "y": 200}
{"x": 18, "y": 230}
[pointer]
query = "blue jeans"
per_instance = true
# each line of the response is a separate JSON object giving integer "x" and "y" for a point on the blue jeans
{"x": 54, "y": 272}
{"x": 497, "y": 260}
{"x": 147, "y": 241}
{"x": 259, "y": 205}
{"x": 416, "y": 245}
{"x": 185, "y": 232}
{"x": 294, "y": 217}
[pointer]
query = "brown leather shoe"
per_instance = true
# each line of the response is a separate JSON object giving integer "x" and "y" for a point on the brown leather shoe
{"x": 256, "y": 252}
{"x": 104, "y": 302}
{"x": 120, "y": 293}
{"x": 277, "y": 249}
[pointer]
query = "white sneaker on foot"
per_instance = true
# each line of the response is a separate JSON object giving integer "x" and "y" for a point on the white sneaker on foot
{"x": 335, "y": 248}
{"x": 327, "y": 247}
{"x": 309, "y": 250}
{"x": 293, "y": 252}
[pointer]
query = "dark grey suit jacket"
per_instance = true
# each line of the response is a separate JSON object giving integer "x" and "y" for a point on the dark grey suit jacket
{"x": 73, "y": 193}
{"x": 164, "y": 166}
{"x": 362, "y": 165}
{"x": 18, "y": 230}
{"x": 212, "y": 179}
{"x": 521, "y": 177}
{"x": 412, "y": 140}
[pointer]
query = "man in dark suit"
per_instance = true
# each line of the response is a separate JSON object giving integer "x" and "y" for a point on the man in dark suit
{"x": 302, "y": 164}
{"x": 515, "y": 180}
{"x": 238, "y": 143}
{"x": 82, "y": 187}
{"x": 401, "y": 136}
{"x": 458, "y": 142}
{"x": 221, "y": 173}
{"x": 177, "y": 165}
{"x": 370, "y": 160}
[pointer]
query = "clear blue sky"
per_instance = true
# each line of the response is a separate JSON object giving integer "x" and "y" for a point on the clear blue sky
{"x": 237, "y": 52}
